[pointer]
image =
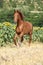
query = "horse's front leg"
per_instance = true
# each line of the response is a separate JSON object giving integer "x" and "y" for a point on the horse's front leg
{"x": 21, "y": 38}
{"x": 15, "y": 37}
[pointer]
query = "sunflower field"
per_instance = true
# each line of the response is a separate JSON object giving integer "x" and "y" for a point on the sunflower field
{"x": 7, "y": 33}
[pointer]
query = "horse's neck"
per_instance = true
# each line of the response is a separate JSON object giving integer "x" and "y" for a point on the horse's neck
{"x": 19, "y": 22}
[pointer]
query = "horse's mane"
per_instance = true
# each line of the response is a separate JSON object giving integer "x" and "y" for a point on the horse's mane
{"x": 20, "y": 14}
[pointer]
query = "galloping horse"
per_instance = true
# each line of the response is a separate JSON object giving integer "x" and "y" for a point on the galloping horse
{"x": 22, "y": 27}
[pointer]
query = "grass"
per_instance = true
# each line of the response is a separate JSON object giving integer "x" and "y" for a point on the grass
{"x": 24, "y": 55}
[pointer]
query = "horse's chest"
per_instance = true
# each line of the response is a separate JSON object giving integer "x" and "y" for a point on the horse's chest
{"x": 18, "y": 31}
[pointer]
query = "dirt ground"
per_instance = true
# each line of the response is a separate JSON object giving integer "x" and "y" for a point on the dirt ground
{"x": 23, "y": 55}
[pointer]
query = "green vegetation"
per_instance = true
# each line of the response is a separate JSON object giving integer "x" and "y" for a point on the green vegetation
{"x": 32, "y": 10}
{"x": 7, "y": 32}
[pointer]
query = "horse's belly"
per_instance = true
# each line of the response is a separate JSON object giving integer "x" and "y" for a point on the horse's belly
{"x": 25, "y": 30}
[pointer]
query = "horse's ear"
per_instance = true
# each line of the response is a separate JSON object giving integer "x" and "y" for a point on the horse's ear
{"x": 15, "y": 10}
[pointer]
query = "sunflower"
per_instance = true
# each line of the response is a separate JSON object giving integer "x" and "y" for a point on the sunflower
{"x": 7, "y": 23}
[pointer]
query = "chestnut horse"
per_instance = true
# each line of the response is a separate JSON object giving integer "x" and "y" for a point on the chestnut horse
{"x": 22, "y": 27}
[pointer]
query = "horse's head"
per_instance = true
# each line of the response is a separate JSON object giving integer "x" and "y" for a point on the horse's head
{"x": 18, "y": 16}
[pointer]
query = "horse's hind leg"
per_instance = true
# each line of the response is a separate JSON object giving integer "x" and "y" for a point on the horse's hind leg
{"x": 30, "y": 39}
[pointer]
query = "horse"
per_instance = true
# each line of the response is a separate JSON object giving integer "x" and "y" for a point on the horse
{"x": 23, "y": 27}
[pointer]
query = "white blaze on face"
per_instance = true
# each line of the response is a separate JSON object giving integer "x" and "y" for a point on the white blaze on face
{"x": 15, "y": 17}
